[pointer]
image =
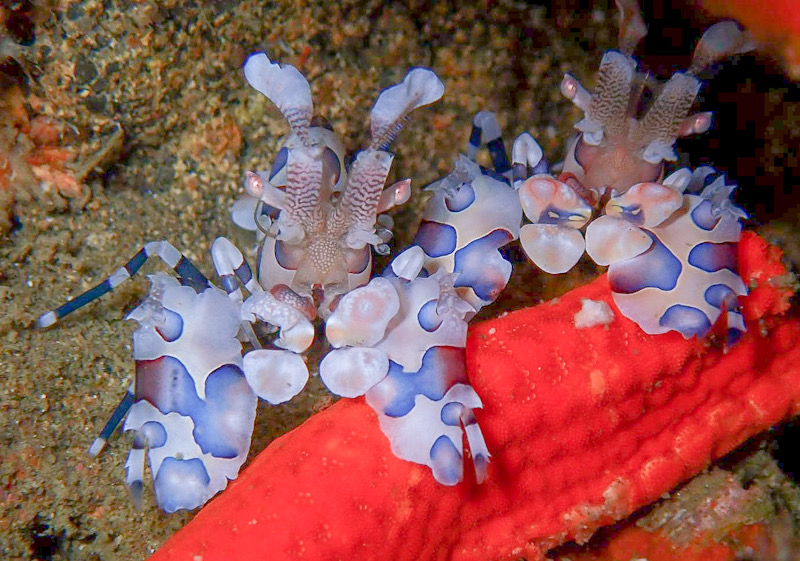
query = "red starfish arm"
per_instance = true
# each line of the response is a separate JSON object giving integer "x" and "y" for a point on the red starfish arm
{"x": 585, "y": 427}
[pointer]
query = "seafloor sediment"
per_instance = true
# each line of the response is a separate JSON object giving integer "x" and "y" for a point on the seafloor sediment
{"x": 169, "y": 75}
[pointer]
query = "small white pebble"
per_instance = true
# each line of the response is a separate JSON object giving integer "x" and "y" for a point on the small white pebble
{"x": 593, "y": 312}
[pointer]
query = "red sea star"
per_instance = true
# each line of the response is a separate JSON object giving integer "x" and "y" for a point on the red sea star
{"x": 585, "y": 426}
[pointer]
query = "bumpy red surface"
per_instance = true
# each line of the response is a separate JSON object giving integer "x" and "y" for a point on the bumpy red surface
{"x": 637, "y": 543}
{"x": 585, "y": 426}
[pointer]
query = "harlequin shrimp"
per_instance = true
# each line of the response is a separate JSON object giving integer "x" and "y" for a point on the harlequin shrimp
{"x": 400, "y": 339}
{"x": 192, "y": 405}
{"x": 670, "y": 242}
{"x": 658, "y": 239}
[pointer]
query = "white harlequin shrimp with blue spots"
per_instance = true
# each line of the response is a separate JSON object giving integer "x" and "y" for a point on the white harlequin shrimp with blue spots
{"x": 681, "y": 271}
{"x": 672, "y": 255}
{"x": 204, "y": 355}
{"x": 411, "y": 365}
{"x": 413, "y": 371}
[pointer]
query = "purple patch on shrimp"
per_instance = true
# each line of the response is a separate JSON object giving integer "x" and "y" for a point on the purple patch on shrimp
{"x": 155, "y": 433}
{"x": 436, "y": 239}
{"x": 167, "y": 385}
{"x": 555, "y": 215}
{"x": 481, "y": 267}
{"x": 287, "y": 257}
{"x": 451, "y": 414}
{"x": 219, "y": 423}
{"x": 713, "y": 257}
{"x": 427, "y": 317}
{"x": 279, "y": 162}
{"x": 721, "y": 294}
{"x": 181, "y": 484}
{"x": 461, "y": 199}
{"x": 447, "y": 462}
{"x": 224, "y": 423}
{"x": 172, "y": 326}
{"x": 657, "y": 268}
{"x": 702, "y": 216}
{"x": 686, "y": 320}
{"x": 441, "y": 369}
